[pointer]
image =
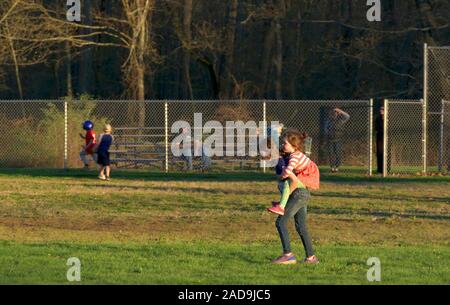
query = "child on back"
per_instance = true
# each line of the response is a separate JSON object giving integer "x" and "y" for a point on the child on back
{"x": 295, "y": 170}
{"x": 104, "y": 143}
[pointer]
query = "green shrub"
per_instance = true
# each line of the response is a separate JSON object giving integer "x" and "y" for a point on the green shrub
{"x": 38, "y": 140}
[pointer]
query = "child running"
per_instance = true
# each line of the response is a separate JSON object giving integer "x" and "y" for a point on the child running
{"x": 90, "y": 139}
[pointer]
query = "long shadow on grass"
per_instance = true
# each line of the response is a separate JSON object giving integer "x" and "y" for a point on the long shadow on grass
{"x": 142, "y": 175}
{"x": 427, "y": 199}
{"x": 316, "y": 210}
{"x": 244, "y": 176}
{"x": 189, "y": 189}
{"x": 118, "y": 187}
{"x": 363, "y": 212}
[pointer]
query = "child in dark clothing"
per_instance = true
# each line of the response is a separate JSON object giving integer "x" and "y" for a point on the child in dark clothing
{"x": 104, "y": 143}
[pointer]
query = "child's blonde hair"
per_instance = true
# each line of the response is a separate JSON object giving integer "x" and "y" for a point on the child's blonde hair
{"x": 107, "y": 128}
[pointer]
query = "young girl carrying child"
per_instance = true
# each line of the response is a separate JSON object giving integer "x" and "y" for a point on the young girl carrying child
{"x": 297, "y": 175}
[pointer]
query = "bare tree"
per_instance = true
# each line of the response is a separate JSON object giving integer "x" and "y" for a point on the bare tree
{"x": 227, "y": 63}
{"x": 210, "y": 45}
{"x": 278, "y": 60}
{"x": 2, "y": 80}
{"x": 187, "y": 31}
{"x": 134, "y": 30}
{"x": 271, "y": 15}
{"x": 34, "y": 33}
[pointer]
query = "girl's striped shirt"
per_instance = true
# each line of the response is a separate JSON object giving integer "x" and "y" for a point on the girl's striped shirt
{"x": 298, "y": 161}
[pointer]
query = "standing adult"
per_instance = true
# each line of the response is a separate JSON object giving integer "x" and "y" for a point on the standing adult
{"x": 201, "y": 150}
{"x": 274, "y": 134}
{"x": 270, "y": 145}
{"x": 379, "y": 130}
{"x": 185, "y": 147}
{"x": 446, "y": 149}
{"x": 334, "y": 130}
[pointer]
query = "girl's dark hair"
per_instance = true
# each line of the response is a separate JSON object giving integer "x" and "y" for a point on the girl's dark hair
{"x": 296, "y": 138}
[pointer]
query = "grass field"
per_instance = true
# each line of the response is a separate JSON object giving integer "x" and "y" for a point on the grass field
{"x": 155, "y": 228}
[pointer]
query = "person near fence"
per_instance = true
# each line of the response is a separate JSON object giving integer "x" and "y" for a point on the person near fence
{"x": 90, "y": 142}
{"x": 334, "y": 130}
{"x": 201, "y": 150}
{"x": 104, "y": 143}
{"x": 446, "y": 148}
{"x": 297, "y": 174}
{"x": 185, "y": 148}
{"x": 274, "y": 133}
{"x": 379, "y": 130}
{"x": 192, "y": 148}
{"x": 272, "y": 139}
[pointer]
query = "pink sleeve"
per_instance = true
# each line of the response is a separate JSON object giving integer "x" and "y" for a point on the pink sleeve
{"x": 297, "y": 162}
{"x": 293, "y": 162}
{"x": 303, "y": 163}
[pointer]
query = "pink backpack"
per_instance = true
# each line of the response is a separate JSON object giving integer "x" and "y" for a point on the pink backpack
{"x": 310, "y": 176}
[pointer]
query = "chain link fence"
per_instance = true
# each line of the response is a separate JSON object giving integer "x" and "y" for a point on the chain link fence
{"x": 437, "y": 89}
{"x": 403, "y": 144}
{"x": 212, "y": 113}
{"x": 47, "y": 134}
{"x": 139, "y": 132}
{"x": 337, "y": 143}
{"x": 32, "y": 134}
{"x": 444, "y": 138}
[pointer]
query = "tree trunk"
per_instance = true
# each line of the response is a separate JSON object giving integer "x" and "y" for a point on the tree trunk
{"x": 14, "y": 58}
{"x": 57, "y": 84}
{"x": 187, "y": 23}
{"x": 85, "y": 72}
{"x": 139, "y": 13}
{"x": 347, "y": 36}
{"x": 296, "y": 59}
{"x": 226, "y": 69}
{"x": 266, "y": 62}
{"x": 281, "y": 14}
{"x": 212, "y": 76}
{"x": 69, "y": 71}
{"x": 141, "y": 68}
{"x": 278, "y": 61}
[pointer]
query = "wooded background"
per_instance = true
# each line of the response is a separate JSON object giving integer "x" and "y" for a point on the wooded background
{"x": 216, "y": 49}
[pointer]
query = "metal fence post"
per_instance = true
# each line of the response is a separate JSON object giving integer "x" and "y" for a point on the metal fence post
{"x": 166, "y": 119}
{"x": 65, "y": 135}
{"x": 370, "y": 137}
{"x": 385, "y": 137}
{"x": 425, "y": 136}
{"x": 425, "y": 109}
{"x": 441, "y": 139}
{"x": 265, "y": 129}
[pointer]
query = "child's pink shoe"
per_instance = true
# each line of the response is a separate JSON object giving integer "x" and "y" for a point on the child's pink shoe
{"x": 311, "y": 260}
{"x": 276, "y": 210}
{"x": 286, "y": 259}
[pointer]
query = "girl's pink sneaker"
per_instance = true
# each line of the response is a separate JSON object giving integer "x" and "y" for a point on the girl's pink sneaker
{"x": 285, "y": 260}
{"x": 276, "y": 210}
{"x": 311, "y": 260}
